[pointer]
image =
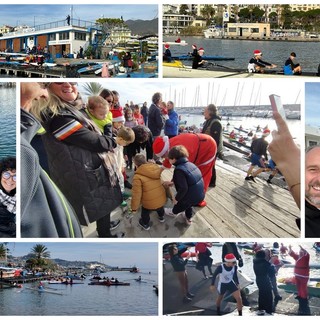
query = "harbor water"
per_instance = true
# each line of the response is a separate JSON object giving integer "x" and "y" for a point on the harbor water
{"x": 7, "y": 122}
{"x": 82, "y": 299}
{"x": 276, "y": 52}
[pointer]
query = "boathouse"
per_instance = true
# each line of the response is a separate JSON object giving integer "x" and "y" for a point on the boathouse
{"x": 250, "y": 30}
{"x": 59, "y": 37}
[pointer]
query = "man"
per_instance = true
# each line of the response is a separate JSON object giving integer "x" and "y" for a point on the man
{"x": 155, "y": 119}
{"x": 312, "y": 192}
{"x": 213, "y": 127}
{"x": 257, "y": 65}
{"x": 167, "y": 53}
{"x": 291, "y": 68}
{"x": 201, "y": 148}
{"x": 258, "y": 156}
{"x": 197, "y": 57}
{"x": 45, "y": 212}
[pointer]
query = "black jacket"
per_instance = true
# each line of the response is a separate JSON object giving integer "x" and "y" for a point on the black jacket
{"x": 312, "y": 221}
{"x": 155, "y": 120}
{"x": 45, "y": 212}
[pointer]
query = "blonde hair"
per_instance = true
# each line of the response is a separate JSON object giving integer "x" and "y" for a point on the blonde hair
{"x": 127, "y": 134}
{"x": 95, "y": 101}
{"x": 139, "y": 159}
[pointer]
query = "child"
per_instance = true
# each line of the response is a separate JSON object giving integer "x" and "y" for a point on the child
{"x": 228, "y": 281}
{"x": 124, "y": 137}
{"x": 188, "y": 182}
{"x": 98, "y": 111}
{"x": 147, "y": 190}
{"x": 137, "y": 115}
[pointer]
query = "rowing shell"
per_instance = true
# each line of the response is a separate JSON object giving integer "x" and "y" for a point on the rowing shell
{"x": 45, "y": 290}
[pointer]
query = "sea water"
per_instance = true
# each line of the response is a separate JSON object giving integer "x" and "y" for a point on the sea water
{"x": 138, "y": 299}
{"x": 7, "y": 122}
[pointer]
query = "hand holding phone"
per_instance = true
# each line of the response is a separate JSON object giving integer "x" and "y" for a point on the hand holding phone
{"x": 276, "y": 105}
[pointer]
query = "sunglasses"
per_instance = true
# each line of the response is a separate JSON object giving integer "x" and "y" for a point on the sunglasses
{"x": 6, "y": 175}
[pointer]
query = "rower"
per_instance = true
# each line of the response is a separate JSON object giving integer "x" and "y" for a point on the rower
{"x": 291, "y": 68}
{"x": 257, "y": 65}
{"x": 197, "y": 57}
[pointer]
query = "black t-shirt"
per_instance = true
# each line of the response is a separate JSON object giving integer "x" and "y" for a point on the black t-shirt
{"x": 312, "y": 221}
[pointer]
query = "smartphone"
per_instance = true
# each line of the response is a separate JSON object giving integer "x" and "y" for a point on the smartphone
{"x": 276, "y": 105}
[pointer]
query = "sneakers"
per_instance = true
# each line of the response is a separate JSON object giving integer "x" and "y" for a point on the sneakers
{"x": 144, "y": 226}
{"x": 261, "y": 313}
{"x": 190, "y": 295}
{"x": 250, "y": 178}
{"x": 269, "y": 181}
{"x": 203, "y": 203}
{"x": 114, "y": 224}
{"x": 118, "y": 235}
{"x": 161, "y": 219}
{"x": 168, "y": 212}
{"x": 186, "y": 299}
{"x": 187, "y": 221}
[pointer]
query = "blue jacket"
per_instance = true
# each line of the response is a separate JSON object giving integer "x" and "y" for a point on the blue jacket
{"x": 188, "y": 181}
{"x": 172, "y": 124}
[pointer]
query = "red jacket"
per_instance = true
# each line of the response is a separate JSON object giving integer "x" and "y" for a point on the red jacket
{"x": 301, "y": 268}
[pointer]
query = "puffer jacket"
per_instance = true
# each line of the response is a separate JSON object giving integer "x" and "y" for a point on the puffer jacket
{"x": 79, "y": 172}
{"x": 147, "y": 188}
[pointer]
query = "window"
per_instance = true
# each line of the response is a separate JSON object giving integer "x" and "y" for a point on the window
{"x": 63, "y": 35}
{"x": 80, "y": 36}
{"x": 52, "y": 37}
{"x": 254, "y": 30}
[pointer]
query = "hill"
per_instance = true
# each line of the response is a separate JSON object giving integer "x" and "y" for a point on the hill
{"x": 143, "y": 27}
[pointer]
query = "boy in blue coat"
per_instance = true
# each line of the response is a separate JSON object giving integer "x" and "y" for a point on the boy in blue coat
{"x": 188, "y": 182}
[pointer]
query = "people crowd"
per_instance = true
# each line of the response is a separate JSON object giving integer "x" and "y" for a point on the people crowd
{"x": 225, "y": 276}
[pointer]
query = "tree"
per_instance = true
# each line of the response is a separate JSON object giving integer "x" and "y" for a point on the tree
{"x": 184, "y": 9}
{"x": 3, "y": 251}
{"x": 92, "y": 88}
{"x": 40, "y": 251}
{"x": 207, "y": 13}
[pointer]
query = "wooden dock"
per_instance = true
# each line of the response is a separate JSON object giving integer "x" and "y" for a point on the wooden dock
{"x": 235, "y": 208}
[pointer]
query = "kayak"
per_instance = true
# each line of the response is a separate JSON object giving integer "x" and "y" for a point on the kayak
{"x": 208, "y": 58}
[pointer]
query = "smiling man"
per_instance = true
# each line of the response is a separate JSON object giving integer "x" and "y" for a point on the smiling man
{"x": 312, "y": 192}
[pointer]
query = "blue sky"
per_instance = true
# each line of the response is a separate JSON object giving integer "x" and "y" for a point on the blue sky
{"x": 19, "y": 14}
{"x": 312, "y": 96}
{"x": 143, "y": 255}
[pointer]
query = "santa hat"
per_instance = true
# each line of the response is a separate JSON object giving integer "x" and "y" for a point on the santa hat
{"x": 230, "y": 257}
{"x": 117, "y": 115}
{"x": 257, "y": 52}
{"x": 161, "y": 145}
{"x": 201, "y": 49}
{"x": 166, "y": 46}
{"x": 266, "y": 132}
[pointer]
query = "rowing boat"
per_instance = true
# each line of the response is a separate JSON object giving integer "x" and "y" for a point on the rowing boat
{"x": 108, "y": 283}
{"x": 208, "y": 58}
{"x": 313, "y": 288}
{"x": 43, "y": 290}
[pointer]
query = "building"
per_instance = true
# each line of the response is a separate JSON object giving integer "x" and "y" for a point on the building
{"x": 60, "y": 38}
{"x": 173, "y": 23}
{"x": 252, "y": 30}
{"x": 5, "y": 29}
{"x": 312, "y": 136}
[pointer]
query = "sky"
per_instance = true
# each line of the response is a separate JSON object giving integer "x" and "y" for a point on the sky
{"x": 31, "y": 15}
{"x": 143, "y": 255}
{"x": 188, "y": 92}
{"x": 312, "y": 96}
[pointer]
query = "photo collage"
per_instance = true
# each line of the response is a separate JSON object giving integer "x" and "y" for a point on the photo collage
{"x": 163, "y": 179}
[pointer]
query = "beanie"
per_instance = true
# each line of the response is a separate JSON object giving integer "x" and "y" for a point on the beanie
{"x": 161, "y": 145}
{"x": 230, "y": 257}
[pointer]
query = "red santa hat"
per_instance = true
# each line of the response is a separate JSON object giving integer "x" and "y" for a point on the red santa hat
{"x": 201, "y": 49}
{"x": 117, "y": 115}
{"x": 161, "y": 145}
{"x": 257, "y": 52}
{"x": 266, "y": 132}
{"x": 167, "y": 46}
{"x": 230, "y": 257}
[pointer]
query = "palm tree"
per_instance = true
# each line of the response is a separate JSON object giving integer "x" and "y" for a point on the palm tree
{"x": 40, "y": 251}
{"x": 92, "y": 88}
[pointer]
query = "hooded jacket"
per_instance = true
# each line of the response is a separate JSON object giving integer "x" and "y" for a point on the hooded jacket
{"x": 147, "y": 188}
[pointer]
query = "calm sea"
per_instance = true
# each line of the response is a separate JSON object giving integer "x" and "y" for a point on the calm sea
{"x": 276, "y": 52}
{"x": 7, "y": 122}
{"x": 138, "y": 299}
{"x": 247, "y": 123}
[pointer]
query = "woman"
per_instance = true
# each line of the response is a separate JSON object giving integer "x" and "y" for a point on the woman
{"x": 8, "y": 197}
{"x": 228, "y": 281}
{"x": 179, "y": 266}
{"x": 204, "y": 259}
{"x": 78, "y": 158}
{"x": 264, "y": 273}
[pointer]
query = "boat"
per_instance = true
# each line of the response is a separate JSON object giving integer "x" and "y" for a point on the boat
{"x": 108, "y": 283}
{"x": 288, "y": 284}
{"x": 7, "y": 272}
{"x": 212, "y": 32}
{"x": 208, "y": 58}
{"x": 245, "y": 150}
{"x": 173, "y": 63}
{"x": 311, "y": 266}
{"x": 44, "y": 290}
{"x": 156, "y": 289}
{"x": 177, "y": 43}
